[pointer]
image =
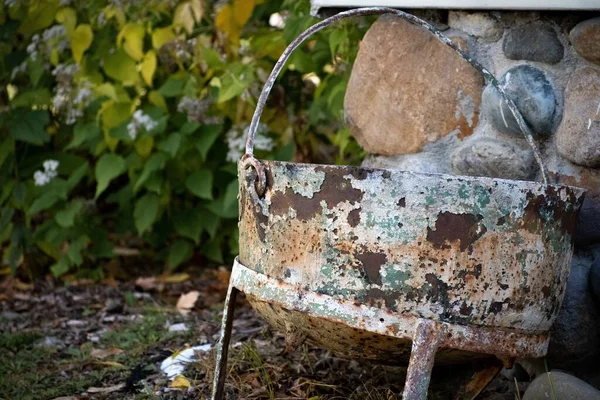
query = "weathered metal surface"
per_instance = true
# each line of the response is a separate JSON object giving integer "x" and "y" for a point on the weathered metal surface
{"x": 462, "y": 250}
{"x": 223, "y": 344}
{"x": 363, "y": 331}
{"x": 422, "y": 356}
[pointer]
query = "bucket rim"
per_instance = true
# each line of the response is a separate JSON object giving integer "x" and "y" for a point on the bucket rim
{"x": 527, "y": 184}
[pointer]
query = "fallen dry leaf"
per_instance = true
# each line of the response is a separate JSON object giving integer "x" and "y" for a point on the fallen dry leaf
{"x": 180, "y": 382}
{"x": 22, "y": 286}
{"x": 186, "y": 302}
{"x": 104, "y": 353}
{"x": 5, "y": 271}
{"x": 175, "y": 278}
{"x": 108, "y": 389}
{"x": 110, "y": 364}
{"x": 149, "y": 283}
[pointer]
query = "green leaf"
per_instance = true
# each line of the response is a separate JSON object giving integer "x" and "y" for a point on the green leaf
{"x": 109, "y": 166}
{"x": 83, "y": 133}
{"x": 231, "y": 194}
{"x": 81, "y": 40}
{"x": 235, "y": 81}
{"x": 148, "y": 67}
{"x": 189, "y": 127}
{"x": 155, "y": 162}
{"x": 212, "y": 250}
{"x": 34, "y": 97}
{"x": 188, "y": 224}
{"x": 6, "y": 217}
{"x": 40, "y": 15}
{"x": 7, "y": 147}
{"x": 160, "y": 36}
{"x": 29, "y": 126}
{"x": 145, "y": 212}
{"x": 75, "y": 248}
{"x": 210, "y": 222}
{"x": 61, "y": 267}
{"x": 77, "y": 175}
{"x": 200, "y": 183}
{"x": 206, "y": 138}
{"x": 44, "y": 202}
{"x": 66, "y": 218}
{"x": 36, "y": 70}
{"x": 172, "y": 87}
{"x": 121, "y": 67}
{"x": 179, "y": 252}
{"x": 171, "y": 144}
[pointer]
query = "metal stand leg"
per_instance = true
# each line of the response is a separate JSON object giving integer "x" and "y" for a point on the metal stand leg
{"x": 422, "y": 357}
{"x": 223, "y": 345}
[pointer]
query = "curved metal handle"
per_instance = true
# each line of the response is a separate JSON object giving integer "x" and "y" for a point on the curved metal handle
{"x": 411, "y": 18}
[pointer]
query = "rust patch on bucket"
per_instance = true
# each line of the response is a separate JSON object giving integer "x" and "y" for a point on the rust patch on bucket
{"x": 450, "y": 228}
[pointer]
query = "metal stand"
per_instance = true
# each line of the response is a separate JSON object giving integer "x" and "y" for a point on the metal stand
{"x": 422, "y": 357}
{"x": 223, "y": 345}
{"x": 427, "y": 336}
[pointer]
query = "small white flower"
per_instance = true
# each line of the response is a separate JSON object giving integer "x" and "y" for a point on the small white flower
{"x": 132, "y": 130}
{"x": 236, "y": 141}
{"x": 44, "y": 177}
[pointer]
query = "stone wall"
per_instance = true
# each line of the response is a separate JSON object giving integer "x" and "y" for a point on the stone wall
{"x": 414, "y": 104}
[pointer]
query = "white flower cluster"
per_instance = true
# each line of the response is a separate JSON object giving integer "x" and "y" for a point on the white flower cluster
{"x": 236, "y": 141}
{"x": 19, "y": 69}
{"x": 196, "y": 110}
{"x": 52, "y": 38}
{"x": 140, "y": 121}
{"x": 70, "y": 99}
{"x": 41, "y": 178}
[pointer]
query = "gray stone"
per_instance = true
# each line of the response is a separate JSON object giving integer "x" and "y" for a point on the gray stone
{"x": 533, "y": 93}
{"x": 407, "y": 89}
{"x": 585, "y": 38}
{"x": 595, "y": 276}
{"x": 578, "y": 136}
{"x": 478, "y": 24}
{"x": 494, "y": 158}
{"x": 575, "y": 335}
{"x": 563, "y": 387}
{"x": 533, "y": 43}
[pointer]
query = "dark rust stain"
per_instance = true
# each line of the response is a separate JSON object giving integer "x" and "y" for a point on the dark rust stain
{"x": 465, "y": 310}
{"x": 501, "y": 220}
{"x": 354, "y": 217}
{"x": 335, "y": 190}
{"x": 549, "y": 208}
{"x": 371, "y": 264}
{"x": 402, "y": 202}
{"x": 546, "y": 291}
{"x": 375, "y": 297}
{"x": 450, "y": 228}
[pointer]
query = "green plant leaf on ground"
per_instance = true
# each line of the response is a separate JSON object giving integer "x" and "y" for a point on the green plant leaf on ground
{"x": 146, "y": 212}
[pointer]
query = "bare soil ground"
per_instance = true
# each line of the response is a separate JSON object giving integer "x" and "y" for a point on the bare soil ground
{"x": 107, "y": 341}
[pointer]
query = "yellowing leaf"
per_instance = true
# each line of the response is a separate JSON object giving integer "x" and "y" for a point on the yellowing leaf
{"x": 187, "y": 301}
{"x": 113, "y": 114}
{"x": 197, "y": 9}
{"x": 54, "y": 57}
{"x": 121, "y": 67}
{"x": 230, "y": 19}
{"x": 131, "y": 38}
{"x": 68, "y": 17}
{"x": 81, "y": 39}
{"x": 175, "y": 278}
{"x": 242, "y": 10}
{"x": 183, "y": 17}
{"x": 149, "y": 67}
{"x": 226, "y": 23}
{"x": 180, "y": 382}
{"x": 106, "y": 89}
{"x": 108, "y": 364}
{"x": 157, "y": 99}
{"x": 160, "y": 36}
{"x": 144, "y": 146}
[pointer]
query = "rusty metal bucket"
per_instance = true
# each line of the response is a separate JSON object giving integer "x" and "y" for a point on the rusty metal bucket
{"x": 396, "y": 266}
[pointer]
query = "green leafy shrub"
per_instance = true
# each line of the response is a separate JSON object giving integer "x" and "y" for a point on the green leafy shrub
{"x": 121, "y": 123}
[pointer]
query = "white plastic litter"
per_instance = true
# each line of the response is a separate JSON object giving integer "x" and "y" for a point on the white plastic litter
{"x": 174, "y": 366}
{"x": 178, "y": 327}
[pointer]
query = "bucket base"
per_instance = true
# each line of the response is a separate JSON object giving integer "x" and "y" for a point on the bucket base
{"x": 374, "y": 334}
